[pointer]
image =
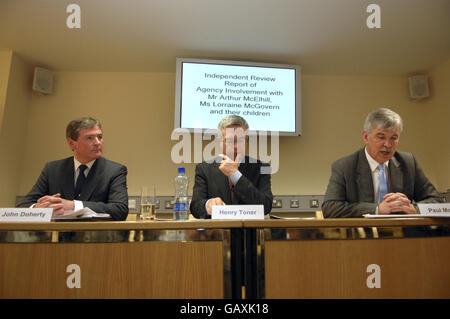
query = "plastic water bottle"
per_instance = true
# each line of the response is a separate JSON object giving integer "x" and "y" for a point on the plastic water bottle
{"x": 181, "y": 204}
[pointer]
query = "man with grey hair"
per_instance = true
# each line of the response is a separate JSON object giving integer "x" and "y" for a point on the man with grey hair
{"x": 233, "y": 177}
{"x": 378, "y": 179}
{"x": 85, "y": 179}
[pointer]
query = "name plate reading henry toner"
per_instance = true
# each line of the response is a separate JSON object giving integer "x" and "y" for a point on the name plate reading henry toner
{"x": 238, "y": 212}
{"x": 25, "y": 215}
{"x": 435, "y": 209}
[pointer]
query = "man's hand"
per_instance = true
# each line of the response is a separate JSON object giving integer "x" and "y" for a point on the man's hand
{"x": 214, "y": 201}
{"x": 396, "y": 203}
{"x": 58, "y": 204}
{"x": 228, "y": 167}
{"x": 68, "y": 204}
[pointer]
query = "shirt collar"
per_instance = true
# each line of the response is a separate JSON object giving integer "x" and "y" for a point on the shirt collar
{"x": 77, "y": 164}
{"x": 373, "y": 163}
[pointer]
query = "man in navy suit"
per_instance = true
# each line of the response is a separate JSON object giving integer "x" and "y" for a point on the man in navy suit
{"x": 233, "y": 177}
{"x": 83, "y": 180}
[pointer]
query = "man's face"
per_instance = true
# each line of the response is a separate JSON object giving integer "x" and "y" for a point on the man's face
{"x": 88, "y": 146}
{"x": 381, "y": 144}
{"x": 233, "y": 141}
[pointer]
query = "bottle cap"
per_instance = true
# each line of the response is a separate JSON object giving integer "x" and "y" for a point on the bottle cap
{"x": 181, "y": 170}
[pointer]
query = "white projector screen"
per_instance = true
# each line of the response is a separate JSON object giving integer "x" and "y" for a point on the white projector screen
{"x": 267, "y": 96}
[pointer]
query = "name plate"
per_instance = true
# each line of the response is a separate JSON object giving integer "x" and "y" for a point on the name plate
{"x": 238, "y": 212}
{"x": 435, "y": 209}
{"x": 25, "y": 215}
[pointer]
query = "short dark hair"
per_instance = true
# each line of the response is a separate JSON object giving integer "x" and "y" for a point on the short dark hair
{"x": 75, "y": 126}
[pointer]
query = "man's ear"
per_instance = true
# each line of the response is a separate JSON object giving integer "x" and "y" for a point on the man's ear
{"x": 71, "y": 143}
{"x": 365, "y": 136}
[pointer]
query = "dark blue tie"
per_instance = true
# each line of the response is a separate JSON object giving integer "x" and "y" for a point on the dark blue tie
{"x": 382, "y": 181}
{"x": 80, "y": 181}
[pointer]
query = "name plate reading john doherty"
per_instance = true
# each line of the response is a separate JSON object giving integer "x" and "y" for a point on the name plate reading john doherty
{"x": 238, "y": 212}
{"x": 25, "y": 215}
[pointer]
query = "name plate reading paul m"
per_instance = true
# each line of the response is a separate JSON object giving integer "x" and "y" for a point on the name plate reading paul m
{"x": 25, "y": 215}
{"x": 238, "y": 212}
{"x": 435, "y": 210}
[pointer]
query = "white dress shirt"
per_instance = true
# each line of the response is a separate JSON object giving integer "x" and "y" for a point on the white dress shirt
{"x": 375, "y": 176}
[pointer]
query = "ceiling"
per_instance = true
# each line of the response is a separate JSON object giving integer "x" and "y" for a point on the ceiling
{"x": 323, "y": 36}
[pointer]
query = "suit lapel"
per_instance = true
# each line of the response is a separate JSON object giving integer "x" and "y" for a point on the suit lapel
{"x": 395, "y": 176}
{"x": 67, "y": 180}
{"x": 364, "y": 180}
{"x": 246, "y": 168}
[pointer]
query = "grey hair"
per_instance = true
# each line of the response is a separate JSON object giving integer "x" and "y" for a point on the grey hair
{"x": 232, "y": 120}
{"x": 383, "y": 118}
{"x": 75, "y": 126}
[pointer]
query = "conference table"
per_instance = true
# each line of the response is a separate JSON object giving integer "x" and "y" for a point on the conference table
{"x": 350, "y": 258}
{"x": 110, "y": 259}
{"x": 287, "y": 258}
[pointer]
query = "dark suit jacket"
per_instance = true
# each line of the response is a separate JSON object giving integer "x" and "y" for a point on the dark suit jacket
{"x": 253, "y": 188}
{"x": 105, "y": 190}
{"x": 350, "y": 190}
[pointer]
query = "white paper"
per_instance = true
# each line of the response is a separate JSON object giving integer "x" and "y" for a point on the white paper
{"x": 396, "y": 216}
{"x": 290, "y": 218}
{"x": 85, "y": 212}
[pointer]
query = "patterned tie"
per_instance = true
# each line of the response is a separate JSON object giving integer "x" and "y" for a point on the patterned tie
{"x": 80, "y": 181}
{"x": 382, "y": 181}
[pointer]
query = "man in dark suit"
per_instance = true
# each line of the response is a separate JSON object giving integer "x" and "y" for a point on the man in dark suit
{"x": 378, "y": 179}
{"x": 83, "y": 180}
{"x": 232, "y": 178}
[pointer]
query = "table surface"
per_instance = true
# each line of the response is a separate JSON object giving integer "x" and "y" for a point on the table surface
{"x": 210, "y": 224}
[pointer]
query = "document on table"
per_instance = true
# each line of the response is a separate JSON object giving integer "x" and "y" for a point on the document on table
{"x": 395, "y": 216}
{"x": 439, "y": 210}
{"x": 83, "y": 213}
{"x": 408, "y": 216}
{"x": 288, "y": 218}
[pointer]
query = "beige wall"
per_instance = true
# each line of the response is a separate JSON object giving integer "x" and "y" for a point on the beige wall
{"x": 136, "y": 111}
{"x": 437, "y": 129}
{"x": 334, "y": 110}
{"x": 5, "y": 66}
{"x": 13, "y": 130}
{"x": 137, "y": 114}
